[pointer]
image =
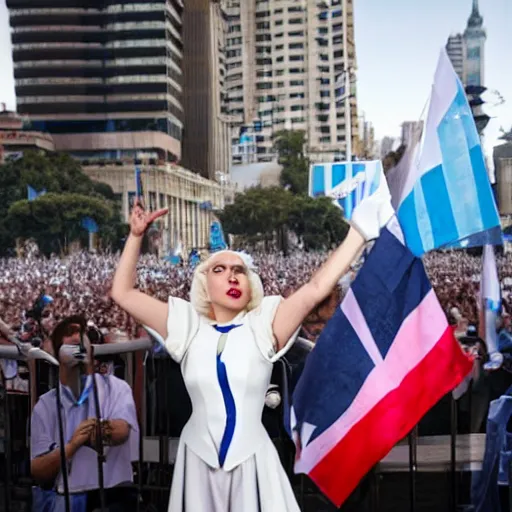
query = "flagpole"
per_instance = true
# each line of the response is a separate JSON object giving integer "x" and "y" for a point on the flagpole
{"x": 348, "y": 120}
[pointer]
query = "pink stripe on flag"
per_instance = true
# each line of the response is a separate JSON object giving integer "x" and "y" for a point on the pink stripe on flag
{"x": 417, "y": 336}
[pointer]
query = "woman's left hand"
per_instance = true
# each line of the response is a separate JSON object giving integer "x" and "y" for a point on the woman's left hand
{"x": 374, "y": 211}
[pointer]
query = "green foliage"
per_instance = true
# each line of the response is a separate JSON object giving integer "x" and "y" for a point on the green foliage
{"x": 264, "y": 214}
{"x": 289, "y": 145}
{"x": 53, "y": 219}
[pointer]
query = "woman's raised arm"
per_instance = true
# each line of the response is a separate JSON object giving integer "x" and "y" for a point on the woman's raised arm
{"x": 372, "y": 214}
{"x": 145, "y": 309}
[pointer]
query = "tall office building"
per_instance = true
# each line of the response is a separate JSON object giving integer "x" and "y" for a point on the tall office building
{"x": 285, "y": 62}
{"x": 456, "y": 52}
{"x": 104, "y": 77}
{"x": 466, "y": 51}
{"x": 207, "y": 135}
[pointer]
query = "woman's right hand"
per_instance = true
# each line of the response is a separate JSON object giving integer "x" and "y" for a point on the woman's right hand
{"x": 140, "y": 220}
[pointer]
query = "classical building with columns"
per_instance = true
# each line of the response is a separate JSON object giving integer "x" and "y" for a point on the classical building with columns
{"x": 192, "y": 200}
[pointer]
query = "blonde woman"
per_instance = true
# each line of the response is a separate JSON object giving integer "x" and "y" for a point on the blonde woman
{"x": 226, "y": 340}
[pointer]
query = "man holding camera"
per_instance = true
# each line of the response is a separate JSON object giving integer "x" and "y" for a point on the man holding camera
{"x": 119, "y": 431}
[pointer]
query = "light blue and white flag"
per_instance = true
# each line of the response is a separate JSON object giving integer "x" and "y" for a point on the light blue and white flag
{"x": 490, "y": 304}
{"x": 442, "y": 195}
{"x": 348, "y": 183}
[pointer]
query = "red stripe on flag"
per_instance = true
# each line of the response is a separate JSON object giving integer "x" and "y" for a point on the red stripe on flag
{"x": 372, "y": 438}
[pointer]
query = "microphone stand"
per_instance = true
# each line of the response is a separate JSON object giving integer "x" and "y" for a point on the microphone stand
{"x": 141, "y": 344}
{"x": 99, "y": 437}
{"x": 62, "y": 445}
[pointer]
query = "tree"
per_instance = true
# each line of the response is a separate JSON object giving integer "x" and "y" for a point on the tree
{"x": 54, "y": 220}
{"x": 318, "y": 223}
{"x": 290, "y": 147}
{"x": 58, "y": 174}
{"x": 265, "y": 214}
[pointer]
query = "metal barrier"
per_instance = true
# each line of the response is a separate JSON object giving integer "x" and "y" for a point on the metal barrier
{"x": 451, "y": 454}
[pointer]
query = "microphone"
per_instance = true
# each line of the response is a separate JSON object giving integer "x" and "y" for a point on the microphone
{"x": 73, "y": 355}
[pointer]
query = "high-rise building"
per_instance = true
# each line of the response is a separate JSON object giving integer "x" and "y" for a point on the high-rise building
{"x": 104, "y": 77}
{"x": 368, "y": 148}
{"x": 285, "y": 64}
{"x": 207, "y": 135}
{"x": 466, "y": 51}
{"x": 456, "y": 52}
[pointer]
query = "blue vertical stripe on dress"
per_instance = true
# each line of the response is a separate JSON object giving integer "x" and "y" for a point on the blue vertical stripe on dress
{"x": 229, "y": 401}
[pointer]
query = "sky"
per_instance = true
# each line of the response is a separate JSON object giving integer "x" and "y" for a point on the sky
{"x": 397, "y": 44}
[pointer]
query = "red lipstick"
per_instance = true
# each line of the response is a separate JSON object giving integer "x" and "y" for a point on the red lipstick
{"x": 234, "y": 293}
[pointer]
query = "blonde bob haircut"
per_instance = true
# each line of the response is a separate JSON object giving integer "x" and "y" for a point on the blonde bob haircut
{"x": 199, "y": 293}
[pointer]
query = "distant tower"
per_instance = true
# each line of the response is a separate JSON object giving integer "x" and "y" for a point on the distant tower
{"x": 474, "y": 37}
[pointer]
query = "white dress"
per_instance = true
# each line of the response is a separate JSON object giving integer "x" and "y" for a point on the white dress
{"x": 226, "y": 461}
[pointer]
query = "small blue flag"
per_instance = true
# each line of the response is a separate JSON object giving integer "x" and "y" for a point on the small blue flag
{"x": 32, "y": 193}
{"x": 90, "y": 225}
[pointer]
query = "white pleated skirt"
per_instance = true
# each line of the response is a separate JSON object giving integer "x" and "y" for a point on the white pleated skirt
{"x": 259, "y": 484}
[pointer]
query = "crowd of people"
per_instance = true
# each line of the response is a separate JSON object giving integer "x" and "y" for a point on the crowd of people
{"x": 81, "y": 283}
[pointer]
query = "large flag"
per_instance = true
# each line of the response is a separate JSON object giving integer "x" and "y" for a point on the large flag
{"x": 382, "y": 361}
{"x": 490, "y": 303}
{"x": 444, "y": 196}
{"x": 348, "y": 183}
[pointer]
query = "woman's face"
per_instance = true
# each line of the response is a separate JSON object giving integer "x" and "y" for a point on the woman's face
{"x": 227, "y": 283}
